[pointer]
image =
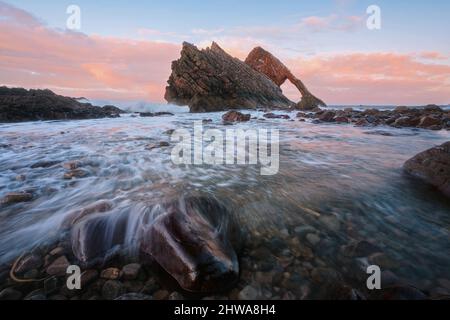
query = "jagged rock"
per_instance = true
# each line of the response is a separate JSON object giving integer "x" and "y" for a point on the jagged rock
{"x": 264, "y": 62}
{"x": 211, "y": 80}
{"x": 17, "y": 105}
{"x": 191, "y": 241}
{"x": 433, "y": 167}
{"x": 235, "y": 116}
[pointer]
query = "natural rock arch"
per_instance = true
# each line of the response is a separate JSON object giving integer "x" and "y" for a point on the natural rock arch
{"x": 264, "y": 62}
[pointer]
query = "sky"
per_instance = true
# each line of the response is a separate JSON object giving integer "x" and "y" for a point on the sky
{"x": 123, "y": 50}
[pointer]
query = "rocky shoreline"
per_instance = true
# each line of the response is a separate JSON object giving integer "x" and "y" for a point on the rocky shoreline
{"x": 20, "y": 105}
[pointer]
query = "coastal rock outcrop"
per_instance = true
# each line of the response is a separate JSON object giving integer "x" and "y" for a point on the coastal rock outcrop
{"x": 266, "y": 63}
{"x": 18, "y": 105}
{"x": 192, "y": 241}
{"x": 211, "y": 80}
{"x": 433, "y": 167}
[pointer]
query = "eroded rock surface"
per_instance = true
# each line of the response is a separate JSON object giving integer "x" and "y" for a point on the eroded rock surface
{"x": 433, "y": 167}
{"x": 266, "y": 63}
{"x": 211, "y": 80}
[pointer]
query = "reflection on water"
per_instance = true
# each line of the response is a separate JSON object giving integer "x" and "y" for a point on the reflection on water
{"x": 337, "y": 185}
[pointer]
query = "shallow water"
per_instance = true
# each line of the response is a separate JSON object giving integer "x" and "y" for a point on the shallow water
{"x": 337, "y": 182}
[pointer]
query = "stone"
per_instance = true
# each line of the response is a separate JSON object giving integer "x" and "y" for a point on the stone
{"x": 176, "y": 296}
{"x": 433, "y": 108}
{"x": 155, "y": 114}
{"x": 58, "y": 267}
{"x": 29, "y": 262}
{"x": 327, "y": 116}
{"x": 248, "y": 293}
{"x": 266, "y": 63}
{"x": 407, "y": 122}
{"x": 77, "y": 174}
{"x": 72, "y": 165}
{"x": 134, "y": 297}
{"x": 235, "y": 116}
{"x": 112, "y": 289}
{"x": 131, "y": 271}
{"x": 276, "y": 116}
{"x": 401, "y": 109}
{"x": 161, "y": 295}
{"x": 44, "y": 164}
{"x": 432, "y": 167}
{"x": 87, "y": 277}
{"x": 193, "y": 242}
{"x": 313, "y": 238}
{"x": 16, "y": 197}
{"x": 10, "y": 294}
{"x": 383, "y": 261}
{"x": 51, "y": 285}
{"x": 110, "y": 274}
{"x": 341, "y": 120}
{"x": 361, "y": 249}
{"x": 211, "y": 80}
{"x": 429, "y": 121}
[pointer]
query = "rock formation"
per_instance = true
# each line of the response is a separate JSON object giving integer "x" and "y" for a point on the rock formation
{"x": 433, "y": 167}
{"x": 264, "y": 62}
{"x": 211, "y": 80}
{"x": 17, "y": 105}
{"x": 192, "y": 242}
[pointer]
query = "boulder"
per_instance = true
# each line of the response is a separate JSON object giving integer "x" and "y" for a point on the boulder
{"x": 433, "y": 167}
{"x": 211, "y": 80}
{"x": 192, "y": 241}
{"x": 235, "y": 116}
{"x": 264, "y": 62}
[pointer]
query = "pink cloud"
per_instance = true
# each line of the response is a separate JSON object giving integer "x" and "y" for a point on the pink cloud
{"x": 108, "y": 68}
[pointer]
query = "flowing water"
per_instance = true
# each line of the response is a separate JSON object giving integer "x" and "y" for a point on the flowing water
{"x": 336, "y": 185}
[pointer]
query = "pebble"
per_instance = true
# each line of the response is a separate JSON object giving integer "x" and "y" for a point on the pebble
{"x": 58, "y": 267}
{"x": 110, "y": 274}
{"x": 16, "y": 197}
{"x": 88, "y": 276}
{"x": 29, "y": 262}
{"x": 10, "y": 294}
{"x": 131, "y": 271}
{"x": 112, "y": 289}
{"x": 161, "y": 295}
{"x": 176, "y": 296}
{"x": 77, "y": 173}
{"x": 134, "y": 297}
{"x": 313, "y": 238}
{"x": 248, "y": 293}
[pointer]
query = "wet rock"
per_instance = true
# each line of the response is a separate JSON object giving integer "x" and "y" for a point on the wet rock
{"x": 21, "y": 178}
{"x": 361, "y": 249}
{"x": 407, "y": 122}
{"x": 325, "y": 275}
{"x": 429, "y": 121}
{"x": 134, "y": 297}
{"x": 10, "y": 294}
{"x": 433, "y": 108}
{"x": 51, "y": 285}
{"x": 153, "y": 146}
{"x": 58, "y": 267}
{"x": 87, "y": 277}
{"x": 192, "y": 241}
{"x": 161, "y": 295}
{"x": 29, "y": 262}
{"x": 176, "y": 296}
{"x": 382, "y": 260}
{"x": 155, "y": 114}
{"x": 76, "y": 216}
{"x": 16, "y": 197}
{"x": 38, "y": 295}
{"x": 131, "y": 271}
{"x": 401, "y": 109}
{"x": 112, "y": 289}
{"x": 235, "y": 116}
{"x": 110, "y": 274}
{"x": 44, "y": 164}
{"x": 206, "y": 121}
{"x": 77, "y": 174}
{"x": 331, "y": 223}
{"x": 211, "y": 80}
{"x": 248, "y": 293}
{"x": 17, "y": 105}
{"x": 276, "y": 116}
{"x": 150, "y": 287}
{"x": 327, "y": 116}
{"x": 402, "y": 293}
{"x": 432, "y": 167}
{"x": 362, "y": 123}
{"x": 313, "y": 238}
{"x": 341, "y": 120}
{"x": 72, "y": 165}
